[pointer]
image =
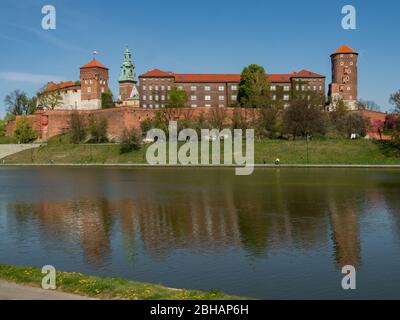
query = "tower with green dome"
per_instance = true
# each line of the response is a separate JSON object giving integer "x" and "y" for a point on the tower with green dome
{"x": 128, "y": 93}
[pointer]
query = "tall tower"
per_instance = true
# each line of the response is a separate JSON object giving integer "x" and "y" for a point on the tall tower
{"x": 94, "y": 82}
{"x": 128, "y": 92}
{"x": 344, "y": 84}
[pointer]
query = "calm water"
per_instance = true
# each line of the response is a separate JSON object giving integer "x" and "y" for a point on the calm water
{"x": 280, "y": 233}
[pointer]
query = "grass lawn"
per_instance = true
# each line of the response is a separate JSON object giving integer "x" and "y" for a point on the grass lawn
{"x": 289, "y": 152}
{"x": 106, "y": 288}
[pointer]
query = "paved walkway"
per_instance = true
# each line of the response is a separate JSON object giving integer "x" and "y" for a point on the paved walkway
{"x": 12, "y": 291}
{"x": 9, "y": 149}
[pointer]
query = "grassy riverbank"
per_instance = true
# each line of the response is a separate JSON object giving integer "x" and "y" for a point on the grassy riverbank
{"x": 289, "y": 152}
{"x": 106, "y": 288}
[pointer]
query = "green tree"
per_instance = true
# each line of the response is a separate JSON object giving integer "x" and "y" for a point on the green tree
{"x": 2, "y": 127}
{"x": 18, "y": 103}
{"x": 78, "y": 131}
{"x": 395, "y": 101}
{"x": 176, "y": 98}
{"x": 24, "y": 132}
{"x": 130, "y": 140}
{"x": 304, "y": 117}
{"x": 98, "y": 129}
{"x": 355, "y": 123}
{"x": 254, "y": 88}
{"x": 107, "y": 100}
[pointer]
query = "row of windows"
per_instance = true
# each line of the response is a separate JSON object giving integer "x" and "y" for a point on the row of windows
{"x": 89, "y": 90}
{"x": 192, "y": 98}
{"x": 192, "y": 88}
{"x": 104, "y": 82}
{"x": 157, "y": 106}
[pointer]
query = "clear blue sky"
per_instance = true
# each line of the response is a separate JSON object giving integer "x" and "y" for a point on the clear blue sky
{"x": 208, "y": 36}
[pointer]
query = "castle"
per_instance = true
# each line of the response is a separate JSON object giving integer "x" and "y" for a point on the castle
{"x": 202, "y": 90}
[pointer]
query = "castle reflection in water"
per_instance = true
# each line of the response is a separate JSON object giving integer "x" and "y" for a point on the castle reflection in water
{"x": 193, "y": 210}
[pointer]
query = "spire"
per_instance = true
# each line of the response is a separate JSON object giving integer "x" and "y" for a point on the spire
{"x": 127, "y": 67}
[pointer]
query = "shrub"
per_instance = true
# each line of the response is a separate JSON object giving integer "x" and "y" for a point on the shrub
{"x": 98, "y": 129}
{"x": 24, "y": 132}
{"x": 78, "y": 131}
{"x": 130, "y": 140}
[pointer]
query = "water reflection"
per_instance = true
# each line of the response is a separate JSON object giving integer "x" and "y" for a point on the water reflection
{"x": 121, "y": 220}
{"x": 204, "y": 211}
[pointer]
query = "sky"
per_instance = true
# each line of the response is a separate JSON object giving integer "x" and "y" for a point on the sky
{"x": 186, "y": 36}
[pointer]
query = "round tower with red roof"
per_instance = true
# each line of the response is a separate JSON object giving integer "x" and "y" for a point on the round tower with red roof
{"x": 344, "y": 84}
{"x": 94, "y": 82}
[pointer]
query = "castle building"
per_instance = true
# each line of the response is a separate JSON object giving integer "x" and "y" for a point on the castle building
{"x": 128, "y": 93}
{"x": 80, "y": 95}
{"x": 219, "y": 90}
{"x": 344, "y": 84}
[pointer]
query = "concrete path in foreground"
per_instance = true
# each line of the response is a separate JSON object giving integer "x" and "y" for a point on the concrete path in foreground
{"x": 9, "y": 149}
{"x": 13, "y": 291}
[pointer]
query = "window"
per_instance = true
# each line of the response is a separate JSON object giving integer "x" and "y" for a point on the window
{"x": 303, "y": 88}
{"x": 162, "y": 88}
{"x": 168, "y": 88}
{"x": 274, "y": 97}
{"x": 273, "y": 88}
{"x": 150, "y": 97}
{"x": 150, "y": 88}
{"x": 151, "y": 106}
{"x": 156, "y": 88}
{"x": 162, "y": 97}
{"x": 89, "y": 89}
{"x": 221, "y": 88}
{"x": 193, "y": 88}
{"x": 193, "y": 98}
{"x": 234, "y": 87}
{"x": 207, "y": 88}
{"x": 221, "y": 98}
{"x": 207, "y": 98}
{"x": 221, "y": 106}
{"x": 233, "y": 98}
{"x": 156, "y": 97}
{"x": 286, "y": 97}
{"x": 180, "y": 88}
{"x": 208, "y": 105}
{"x": 144, "y": 106}
{"x": 102, "y": 90}
{"x": 144, "y": 97}
{"x": 286, "y": 105}
{"x": 320, "y": 88}
{"x": 144, "y": 88}
{"x": 90, "y": 82}
{"x": 297, "y": 87}
{"x": 286, "y": 88}
{"x": 314, "y": 88}
{"x": 194, "y": 105}
{"x": 157, "y": 106}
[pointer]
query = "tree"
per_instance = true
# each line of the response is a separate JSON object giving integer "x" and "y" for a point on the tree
{"x": 254, "y": 89}
{"x": 18, "y": 103}
{"x": 304, "y": 117}
{"x": 2, "y": 127}
{"x": 368, "y": 105}
{"x": 107, "y": 100}
{"x": 217, "y": 118}
{"x": 23, "y": 131}
{"x": 130, "y": 140}
{"x": 176, "y": 98}
{"x": 98, "y": 129}
{"x": 355, "y": 123}
{"x": 77, "y": 128}
{"x": 395, "y": 101}
{"x": 49, "y": 99}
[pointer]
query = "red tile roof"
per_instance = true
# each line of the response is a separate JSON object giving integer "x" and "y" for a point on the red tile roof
{"x": 344, "y": 49}
{"x": 185, "y": 77}
{"x": 157, "y": 73}
{"x": 94, "y": 64}
{"x": 51, "y": 86}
